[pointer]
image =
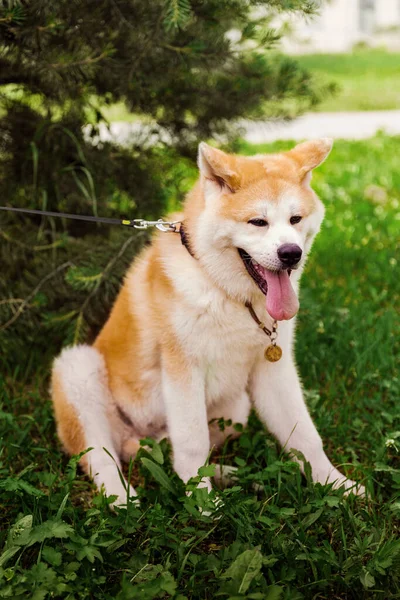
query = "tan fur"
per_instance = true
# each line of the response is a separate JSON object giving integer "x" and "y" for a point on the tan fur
{"x": 129, "y": 348}
{"x": 69, "y": 428}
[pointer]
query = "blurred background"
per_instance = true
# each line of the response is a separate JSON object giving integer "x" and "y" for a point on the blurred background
{"x": 341, "y": 26}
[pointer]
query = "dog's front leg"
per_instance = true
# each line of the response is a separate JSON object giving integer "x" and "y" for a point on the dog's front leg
{"x": 278, "y": 398}
{"x": 184, "y": 396}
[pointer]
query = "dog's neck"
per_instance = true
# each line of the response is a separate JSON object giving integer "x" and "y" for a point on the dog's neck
{"x": 192, "y": 210}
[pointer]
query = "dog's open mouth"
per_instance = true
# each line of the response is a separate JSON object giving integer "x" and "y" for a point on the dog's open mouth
{"x": 282, "y": 302}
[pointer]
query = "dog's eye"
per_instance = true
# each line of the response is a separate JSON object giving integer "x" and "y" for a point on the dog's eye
{"x": 258, "y": 222}
{"x": 295, "y": 219}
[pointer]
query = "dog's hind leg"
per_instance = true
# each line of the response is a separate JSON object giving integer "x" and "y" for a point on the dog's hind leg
{"x": 82, "y": 401}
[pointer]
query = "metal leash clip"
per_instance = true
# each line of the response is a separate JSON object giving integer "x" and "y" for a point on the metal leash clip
{"x": 160, "y": 224}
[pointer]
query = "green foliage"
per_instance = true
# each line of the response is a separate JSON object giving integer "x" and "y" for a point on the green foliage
{"x": 291, "y": 539}
{"x": 159, "y": 474}
{"x": 242, "y": 571}
{"x": 177, "y": 14}
{"x": 83, "y": 278}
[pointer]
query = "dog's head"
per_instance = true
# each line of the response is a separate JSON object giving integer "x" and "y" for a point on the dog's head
{"x": 253, "y": 220}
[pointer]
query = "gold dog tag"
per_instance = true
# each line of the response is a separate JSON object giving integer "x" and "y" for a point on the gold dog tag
{"x": 273, "y": 353}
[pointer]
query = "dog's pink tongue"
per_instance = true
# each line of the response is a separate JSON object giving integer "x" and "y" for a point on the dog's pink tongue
{"x": 282, "y": 302}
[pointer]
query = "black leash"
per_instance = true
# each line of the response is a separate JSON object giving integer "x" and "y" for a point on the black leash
{"x": 47, "y": 213}
{"x": 135, "y": 223}
{"x": 166, "y": 226}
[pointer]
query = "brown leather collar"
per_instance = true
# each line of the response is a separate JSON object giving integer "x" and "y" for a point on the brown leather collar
{"x": 185, "y": 239}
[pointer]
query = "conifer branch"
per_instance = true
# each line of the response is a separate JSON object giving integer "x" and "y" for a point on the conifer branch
{"x": 11, "y": 301}
{"x": 25, "y": 303}
{"x": 180, "y": 49}
{"x": 80, "y": 63}
{"x": 51, "y": 246}
{"x": 106, "y": 270}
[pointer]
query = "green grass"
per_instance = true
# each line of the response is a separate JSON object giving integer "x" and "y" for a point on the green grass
{"x": 366, "y": 79}
{"x": 294, "y": 540}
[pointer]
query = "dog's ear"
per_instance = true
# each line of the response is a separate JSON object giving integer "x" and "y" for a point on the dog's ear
{"x": 309, "y": 155}
{"x": 218, "y": 167}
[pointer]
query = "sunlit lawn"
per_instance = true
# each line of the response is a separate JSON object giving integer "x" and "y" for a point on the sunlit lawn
{"x": 367, "y": 79}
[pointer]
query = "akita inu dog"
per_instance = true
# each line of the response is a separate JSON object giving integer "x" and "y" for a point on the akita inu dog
{"x": 186, "y": 339}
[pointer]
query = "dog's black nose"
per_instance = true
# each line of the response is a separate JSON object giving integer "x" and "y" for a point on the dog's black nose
{"x": 289, "y": 254}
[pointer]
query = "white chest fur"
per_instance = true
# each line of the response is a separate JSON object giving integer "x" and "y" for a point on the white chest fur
{"x": 223, "y": 339}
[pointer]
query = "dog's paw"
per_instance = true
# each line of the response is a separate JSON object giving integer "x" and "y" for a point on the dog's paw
{"x": 214, "y": 511}
{"x": 205, "y": 498}
{"x": 351, "y": 487}
{"x": 225, "y": 476}
{"x": 338, "y": 480}
{"x": 122, "y": 500}
{"x": 121, "y": 492}
{"x": 194, "y": 484}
